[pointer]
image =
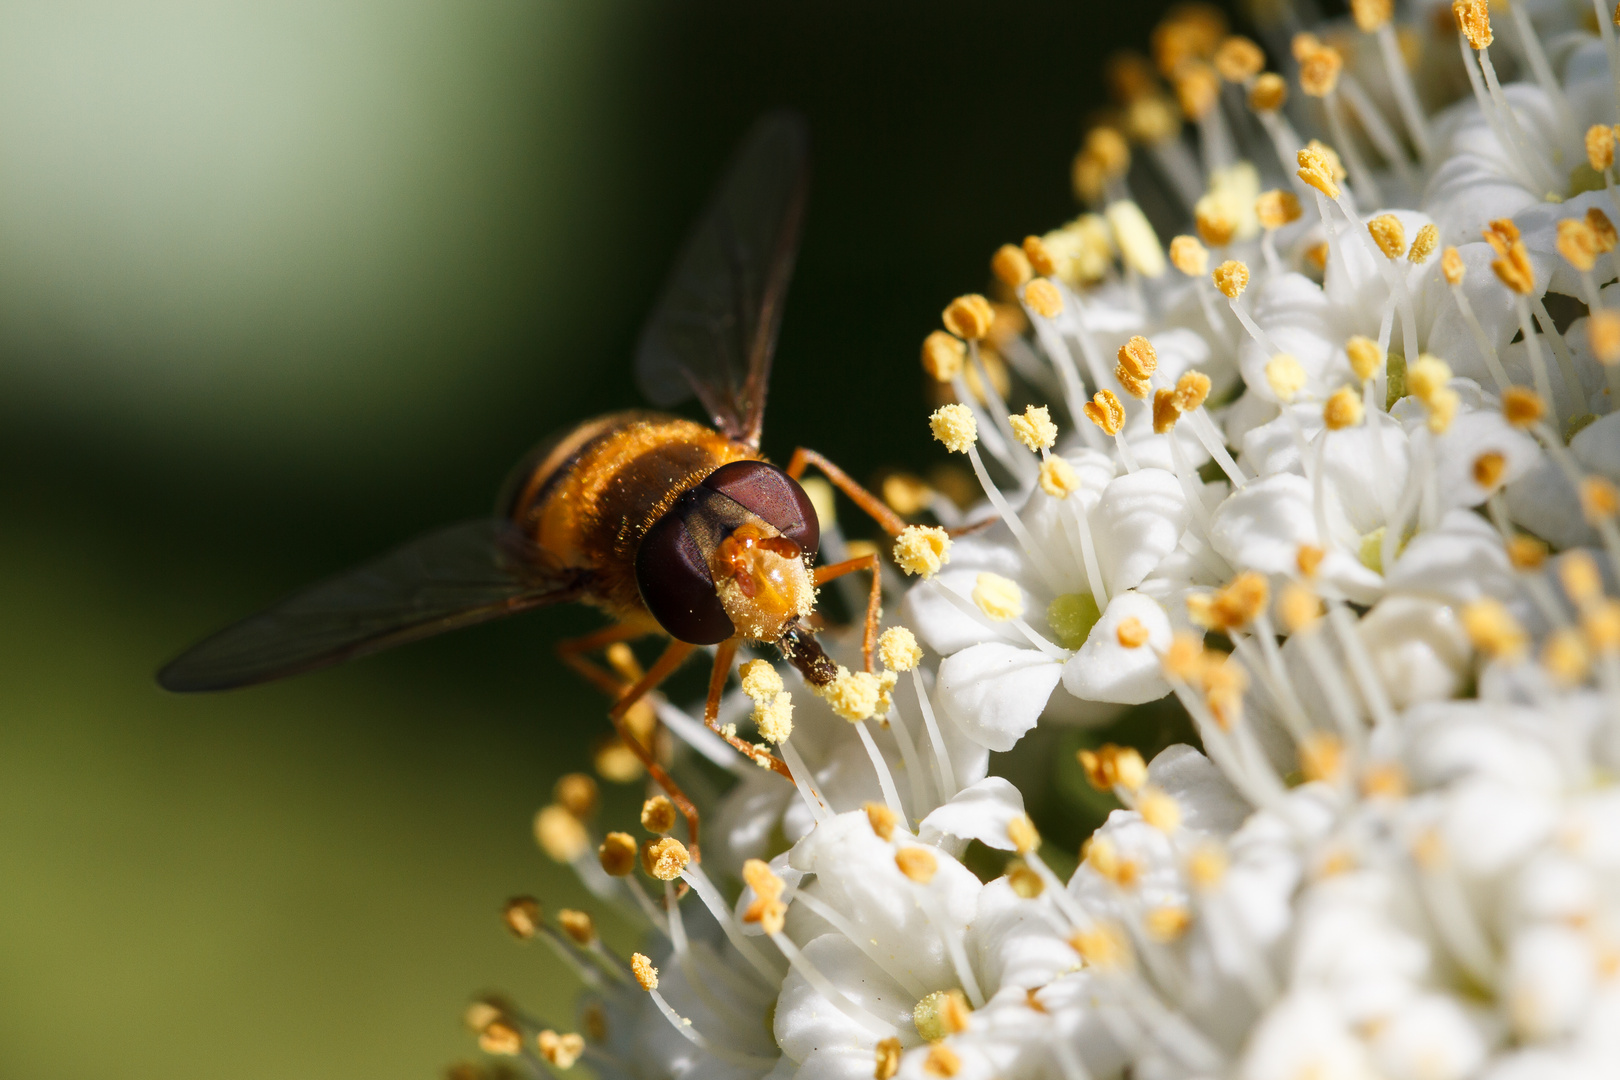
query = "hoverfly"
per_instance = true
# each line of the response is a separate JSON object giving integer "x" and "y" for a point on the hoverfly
{"x": 665, "y": 524}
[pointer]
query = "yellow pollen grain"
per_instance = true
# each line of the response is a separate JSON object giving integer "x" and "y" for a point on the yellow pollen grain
{"x": 954, "y": 426}
{"x": 1522, "y": 406}
{"x": 1299, "y": 608}
{"x": 1165, "y": 413}
{"x": 760, "y": 680}
{"x": 1035, "y": 428}
{"x": 1276, "y": 208}
{"x": 667, "y": 857}
{"x": 774, "y": 718}
{"x": 1189, "y": 256}
{"x": 1366, "y": 358}
{"x": 1600, "y": 147}
{"x": 1021, "y": 831}
{"x": 1319, "y": 70}
{"x": 1371, "y": 14}
{"x": 887, "y": 1059}
{"x": 1488, "y": 469}
{"x": 942, "y": 1061}
{"x": 1192, "y": 389}
{"x": 1578, "y": 573}
{"x": 1239, "y": 59}
{"x": 1526, "y": 552}
{"x": 969, "y": 317}
{"x": 560, "y": 1050}
{"x": 1105, "y": 410}
{"x": 1111, "y": 765}
{"x": 1342, "y": 409}
{"x": 560, "y": 834}
{"x": 1577, "y": 243}
{"x": 1603, "y": 335}
{"x": 1493, "y": 630}
{"x": 522, "y": 916}
{"x": 1167, "y": 924}
{"x": 1285, "y": 375}
{"x": 917, "y": 863}
{"x": 617, "y": 854}
{"x": 1566, "y": 657}
{"x": 1160, "y": 810}
{"x": 943, "y": 356}
{"x": 922, "y": 549}
{"x": 1389, "y": 234}
{"x": 1600, "y": 501}
{"x": 853, "y": 695}
{"x": 881, "y": 818}
{"x": 658, "y": 815}
{"x": 1423, "y": 245}
{"x": 898, "y": 649}
{"x": 1308, "y": 558}
{"x": 1474, "y": 20}
{"x": 1231, "y": 278}
{"x": 646, "y": 974}
{"x": 1058, "y": 478}
{"x": 998, "y": 597}
{"x": 1215, "y": 221}
{"x": 578, "y": 925}
{"x": 1010, "y": 265}
{"x": 1044, "y": 298}
{"x": 1130, "y": 633}
{"x": 1317, "y": 171}
{"x": 1269, "y": 93}
{"x": 1602, "y": 228}
{"x": 1451, "y": 265}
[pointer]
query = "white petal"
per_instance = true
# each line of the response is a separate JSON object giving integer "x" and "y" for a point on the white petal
{"x": 1106, "y": 670}
{"x": 996, "y": 692}
{"x": 981, "y": 812}
{"x": 1136, "y": 524}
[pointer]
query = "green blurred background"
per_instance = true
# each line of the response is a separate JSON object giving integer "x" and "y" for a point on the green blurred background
{"x": 282, "y": 283}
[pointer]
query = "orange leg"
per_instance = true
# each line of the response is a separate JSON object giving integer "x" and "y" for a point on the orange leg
{"x": 887, "y": 519}
{"x": 674, "y": 654}
{"x": 874, "y": 602}
{"x": 724, "y": 657}
{"x": 572, "y": 652}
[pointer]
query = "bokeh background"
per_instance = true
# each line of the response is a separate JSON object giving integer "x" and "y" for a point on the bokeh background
{"x": 285, "y": 282}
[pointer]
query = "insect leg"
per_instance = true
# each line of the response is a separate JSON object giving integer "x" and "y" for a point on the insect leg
{"x": 672, "y": 657}
{"x": 887, "y": 519}
{"x": 724, "y": 656}
{"x": 573, "y": 651}
{"x": 874, "y": 602}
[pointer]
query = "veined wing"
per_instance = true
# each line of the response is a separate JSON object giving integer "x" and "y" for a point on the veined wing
{"x": 714, "y": 329}
{"x": 465, "y": 574}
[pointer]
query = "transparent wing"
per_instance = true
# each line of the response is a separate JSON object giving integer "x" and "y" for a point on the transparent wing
{"x": 461, "y": 575}
{"x": 714, "y": 329}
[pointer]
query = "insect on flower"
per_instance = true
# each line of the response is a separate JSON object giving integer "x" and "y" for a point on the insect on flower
{"x": 665, "y": 524}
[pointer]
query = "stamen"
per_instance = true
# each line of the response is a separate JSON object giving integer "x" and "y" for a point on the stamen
{"x": 1232, "y": 278}
{"x": 694, "y": 876}
{"x": 647, "y": 975}
{"x": 1373, "y": 17}
{"x": 885, "y": 781}
{"x": 1451, "y": 266}
{"x": 942, "y": 756}
{"x": 1105, "y": 410}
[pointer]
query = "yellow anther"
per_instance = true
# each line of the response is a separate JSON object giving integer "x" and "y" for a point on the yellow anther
{"x": 1442, "y": 409}
{"x": 1299, "y": 608}
{"x": 1371, "y": 14}
{"x": 943, "y": 356}
{"x": 1159, "y": 810}
{"x": 774, "y": 718}
{"x": 1058, "y": 478}
{"x": 1243, "y": 600}
{"x": 1319, "y": 70}
{"x": 1493, "y": 630}
{"x": 1165, "y": 413}
{"x": 969, "y": 317}
{"x": 1231, "y": 278}
{"x": 1285, "y": 375}
{"x": 881, "y": 818}
{"x": 1501, "y": 234}
{"x": 1603, "y": 334}
{"x": 887, "y": 1065}
{"x": 905, "y": 494}
{"x": 954, "y": 426}
{"x": 1600, "y": 622}
{"x": 1599, "y": 499}
{"x": 1269, "y": 93}
{"x": 578, "y": 925}
{"x": 1137, "y": 362}
{"x": 898, "y": 649}
{"x": 1343, "y": 409}
{"x": 1423, "y": 245}
{"x": 1577, "y": 243}
{"x": 1167, "y": 924}
{"x": 1522, "y": 406}
{"x": 1102, "y": 947}
{"x": 1010, "y": 265}
{"x": 658, "y": 814}
{"x": 1021, "y": 831}
{"x": 1044, "y": 298}
{"x": 560, "y": 834}
{"x": 1111, "y": 152}
{"x": 1041, "y": 258}
{"x": 1105, "y": 411}
{"x": 1384, "y": 779}
{"x": 1198, "y": 89}
{"x": 1185, "y": 658}
{"x": 1566, "y": 658}
{"x": 617, "y": 853}
{"x": 1238, "y": 59}
{"x": 1451, "y": 265}
{"x": 760, "y": 680}
{"x": 578, "y": 794}
{"x": 1316, "y": 256}
{"x": 560, "y": 1050}
{"x": 1317, "y": 170}
{"x": 758, "y": 875}
{"x": 1138, "y": 243}
{"x": 1513, "y": 267}
{"x": 1215, "y": 221}
{"x": 1034, "y": 428}
{"x": 1489, "y": 468}
{"x": 1130, "y": 633}
{"x": 1600, "y": 147}
{"x": 1225, "y": 683}
{"x": 998, "y": 597}
{"x": 942, "y": 1013}
{"x": 1389, "y": 234}
{"x": 1207, "y": 866}
{"x": 501, "y": 1039}
{"x": 1308, "y": 559}
{"x": 922, "y": 550}
{"x": 854, "y": 695}
{"x": 1426, "y": 377}
{"x": 1189, "y": 256}
{"x": 1276, "y": 208}
{"x": 522, "y": 916}
{"x": 1578, "y": 573}
{"x": 942, "y": 1061}
{"x": 1474, "y": 20}
{"x": 665, "y": 858}
{"x": 1110, "y": 766}
{"x": 917, "y": 863}
{"x": 1192, "y": 389}
{"x": 1602, "y": 228}
{"x": 1321, "y": 756}
{"x": 1024, "y": 881}
{"x": 1526, "y": 552}
{"x": 1366, "y": 358}
{"x": 646, "y": 974}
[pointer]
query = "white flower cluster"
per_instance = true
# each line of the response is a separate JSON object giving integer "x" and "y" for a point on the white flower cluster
{"x": 1340, "y": 473}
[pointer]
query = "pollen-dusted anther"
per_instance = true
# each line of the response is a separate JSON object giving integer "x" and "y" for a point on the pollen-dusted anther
{"x": 1321, "y": 757}
{"x": 1231, "y": 278}
{"x": 578, "y": 925}
{"x": 917, "y": 864}
{"x": 1600, "y": 623}
{"x": 1600, "y": 500}
{"x": 560, "y": 1050}
{"x": 1192, "y": 390}
{"x": 1138, "y": 244}
{"x": 1317, "y": 170}
{"x": 646, "y": 975}
{"x": 1184, "y": 659}
{"x": 1215, "y": 221}
{"x": 898, "y": 649}
{"x": 1299, "y": 608}
{"x": 760, "y": 681}
{"x": 943, "y": 356}
{"x": 1522, "y": 406}
{"x": 1224, "y": 684}
{"x": 1526, "y": 552}
{"x": 1366, "y": 358}
{"x": 998, "y": 597}
{"x": 1316, "y": 256}
{"x": 886, "y": 1059}
{"x": 1423, "y": 245}
{"x": 1389, "y": 234}
{"x": 1111, "y": 765}
{"x": 1159, "y": 809}
{"x": 853, "y": 695}
{"x": 1602, "y": 228}
{"x": 881, "y": 818}
{"x": 1276, "y": 208}
{"x": 560, "y": 834}
{"x": 1034, "y": 428}
{"x": 1137, "y": 362}
{"x": 1269, "y": 93}
{"x": 942, "y": 1061}
{"x": 1286, "y": 376}
{"x": 1105, "y": 411}
{"x": 1043, "y": 298}
{"x": 1241, "y": 601}
{"x": 1578, "y": 574}
{"x": 522, "y": 916}
{"x": 666, "y": 858}
{"x": 1600, "y": 147}
{"x": 1308, "y": 559}
{"x": 1578, "y": 243}
{"x": 576, "y": 793}
{"x": 1021, "y": 831}
{"x": 1371, "y": 14}
{"x": 1427, "y": 376}
{"x": 1501, "y": 234}
{"x": 903, "y": 493}
{"x": 1109, "y": 148}
{"x": 1451, "y": 265}
{"x": 1342, "y": 409}
{"x": 500, "y": 1039}
{"x": 1474, "y": 20}
{"x": 1198, "y": 89}
{"x": 1165, "y": 413}
{"x": 942, "y": 1013}
{"x": 969, "y": 317}
{"x": 1130, "y": 633}
{"x": 1566, "y": 657}
{"x": 617, "y": 854}
{"x": 1319, "y": 69}
{"x": 1603, "y": 335}
{"x": 1513, "y": 268}
{"x": 1010, "y": 265}
{"x": 1058, "y": 478}
{"x": 1189, "y": 256}
{"x": 658, "y": 815}
{"x": 922, "y": 550}
{"x": 1041, "y": 257}
{"x": 954, "y": 426}
{"x": 1489, "y": 468}
{"x": 1493, "y": 630}
{"x": 1238, "y": 59}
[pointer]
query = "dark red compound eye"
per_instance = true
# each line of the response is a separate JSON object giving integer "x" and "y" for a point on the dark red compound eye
{"x": 772, "y": 494}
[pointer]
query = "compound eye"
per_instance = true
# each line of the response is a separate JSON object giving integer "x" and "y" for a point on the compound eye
{"x": 676, "y": 586}
{"x": 774, "y": 496}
